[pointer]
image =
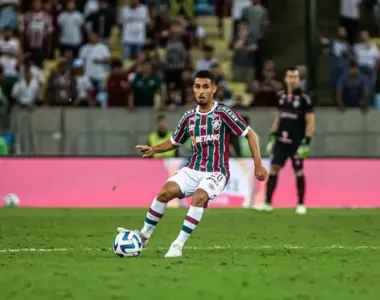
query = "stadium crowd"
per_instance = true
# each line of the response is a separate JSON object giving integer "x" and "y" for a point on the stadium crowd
{"x": 137, "y": 54}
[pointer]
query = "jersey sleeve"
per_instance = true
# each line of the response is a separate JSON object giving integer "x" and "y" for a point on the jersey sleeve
{"x": 180, "y": 133}
{"x": 309, "y": 107}
{"x": 235, "y": 122}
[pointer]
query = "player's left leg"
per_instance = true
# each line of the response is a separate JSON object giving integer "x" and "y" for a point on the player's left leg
{"x": 211, "y": 185}
{"x": 297, "y": 163}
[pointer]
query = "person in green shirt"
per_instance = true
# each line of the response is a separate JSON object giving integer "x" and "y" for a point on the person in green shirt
{"x": 145, "y": 87}
{"x": 4, "y": 151}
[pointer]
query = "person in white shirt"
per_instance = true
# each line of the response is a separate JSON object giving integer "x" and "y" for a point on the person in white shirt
{"x": 10, "y": 54}
{"x": 27, "y": 90}
{"x": 349, "y": 18}
{"x": 367, "y": 58}
{"x": 70, "y": 23}
{"x": 134, "y": 20}
{"x": 96, "y": 57}
{"x": 84, "y": 86}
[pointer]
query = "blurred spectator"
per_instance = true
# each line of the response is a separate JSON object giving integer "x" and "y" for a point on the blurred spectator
{"x": 133, "y": 19}
{"x": 197, "y": 32}
{"x": 118, "y": 85}
{"x": 37, "y": 31}
{"x": 339, "y": 52}
{"x": 160, "y": 135}
{"x": 353, "y": 89}
{"x": 266, "y": 87}
{"x": 85, "y": 90}
{"x": 61, "y": 87}
{"x": 163, "y": 24}
{"x": 4, "y": 151}
{"x": 244, "y": 47}
{"x": 27, "y": 90}
{"x": 146, "y": 87}
{"x": 349, "y": 18}
{"x": 95, "y": 56}
{"x": 3, "y": 98}
{"x": 102, "y": 21}
{"x": 237, "y": 13}
{"x": 71, "y": 24}
{"x": 224, "y": 96}
{"x": 222, "y": 10}
{"x": 10, "y": 57}
{"x": 177, "y": 58}
{"x": 303, "y": 77}
{"x": 54, "y": 8}
{"x": 182, "y": 8}
{"x": 206, "y": 62}
{"x": 256, "y": 17}
{"x": 90, "y": 7}
{"x": 218, "y": 74}
{"x": 28, "y": 63}
{"x": 8, "y": 14}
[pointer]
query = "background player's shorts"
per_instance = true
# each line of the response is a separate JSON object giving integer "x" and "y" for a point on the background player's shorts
{"x": 282, "y": 151}
{"x": 190, "y": 180}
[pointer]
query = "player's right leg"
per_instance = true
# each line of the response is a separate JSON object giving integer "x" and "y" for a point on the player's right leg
{"x": 280, "y": 154}
{"x": 169, "y": 191}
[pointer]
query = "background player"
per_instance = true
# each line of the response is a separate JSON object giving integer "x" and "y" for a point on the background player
{"x": 292, "y": 131}
{"x": 209, "y": 126}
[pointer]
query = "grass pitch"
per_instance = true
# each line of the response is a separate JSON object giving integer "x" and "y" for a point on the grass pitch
{"x": 233, "y": 254}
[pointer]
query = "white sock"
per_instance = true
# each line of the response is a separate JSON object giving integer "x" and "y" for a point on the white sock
{"x": 194, "y": 215}
{"x": 155, "y": 213}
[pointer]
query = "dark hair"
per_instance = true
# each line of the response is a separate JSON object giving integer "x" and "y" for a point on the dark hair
{"x": 291, "y": 69}
{"x": 160, "y": 118}
{"x": 205, "y": 74}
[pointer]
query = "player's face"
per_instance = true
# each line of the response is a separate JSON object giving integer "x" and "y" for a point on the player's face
{"x": 292, "y": 79}
{"x": 204, "y": 90}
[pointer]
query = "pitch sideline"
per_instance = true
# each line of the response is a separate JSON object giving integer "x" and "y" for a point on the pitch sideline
{"x": 215, "y": 247}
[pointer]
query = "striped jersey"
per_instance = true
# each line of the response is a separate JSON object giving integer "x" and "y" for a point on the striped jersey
{"x": 210, "y": 136}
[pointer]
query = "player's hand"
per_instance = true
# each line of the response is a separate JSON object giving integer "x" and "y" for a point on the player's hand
{"x": 303, "y": 151}
{"x": 260, "y": 172}
{"x": 145, "y": 150}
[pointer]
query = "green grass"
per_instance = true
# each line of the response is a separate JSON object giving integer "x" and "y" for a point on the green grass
{"x": 252, "y": 264}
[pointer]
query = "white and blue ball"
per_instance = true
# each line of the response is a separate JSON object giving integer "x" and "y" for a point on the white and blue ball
{"x": 127, "y": 244}
{"x": 11, "y": 200}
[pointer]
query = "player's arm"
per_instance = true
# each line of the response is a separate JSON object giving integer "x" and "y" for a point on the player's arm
{"x": 254, "y": 146}
{"x": 273, "y": 133}
{"x": 304, "y": 149}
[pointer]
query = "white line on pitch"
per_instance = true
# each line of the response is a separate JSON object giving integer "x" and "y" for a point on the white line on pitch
{"x": 216, "y": 247}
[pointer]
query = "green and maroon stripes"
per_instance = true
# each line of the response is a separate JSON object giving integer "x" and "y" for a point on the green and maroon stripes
{"x": 181, "y": 133}
{"x": 153, "y": 217}
{"x": 189, "y": 224}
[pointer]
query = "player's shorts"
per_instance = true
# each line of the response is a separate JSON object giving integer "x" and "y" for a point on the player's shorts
{"x": 281, "y": 152}
{"x": 190, "y": 180}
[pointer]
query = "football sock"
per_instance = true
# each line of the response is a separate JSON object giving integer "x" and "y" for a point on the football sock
{"x": 271, "y": 186}
{"x": 300, "y": 188}
{"x": 194, "y": 215}
{"x": 155, "y": 213}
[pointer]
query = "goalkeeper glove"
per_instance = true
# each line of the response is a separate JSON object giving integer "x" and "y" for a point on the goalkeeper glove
{"x": 303, "y": 150}
{"x": 270, "y": 145}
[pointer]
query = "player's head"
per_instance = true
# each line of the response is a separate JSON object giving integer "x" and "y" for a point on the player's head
{"x": 162, "y": 126}
{"x": 204, "y": 87}
{"x": 292, "y": 78}
{"x": 354, "y": 70}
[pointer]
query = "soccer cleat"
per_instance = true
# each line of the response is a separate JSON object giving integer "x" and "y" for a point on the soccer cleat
{"x": 175, "y": 250}
{"x": 301, "y": 210}
{"x": 263, "y": 207}
{"x": 144, "y": 238}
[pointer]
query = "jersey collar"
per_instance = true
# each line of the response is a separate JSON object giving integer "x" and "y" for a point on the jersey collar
{"x": 210, "y": 111}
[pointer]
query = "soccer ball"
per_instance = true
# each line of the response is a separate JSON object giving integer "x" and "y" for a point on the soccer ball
{"x": 127, "y": 244}
{"x": 11, "y": 200}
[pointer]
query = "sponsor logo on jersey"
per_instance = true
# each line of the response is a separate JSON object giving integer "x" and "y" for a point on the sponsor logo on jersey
{"x": 207, "y": 138}
{"x": 296, "y": 102}
{"x": 230, "y": 113}
{"x": 288, "y": 115}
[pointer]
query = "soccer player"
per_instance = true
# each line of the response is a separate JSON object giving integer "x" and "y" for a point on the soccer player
{"x": 209, "y": 127}
{"x": 291, "y": 134}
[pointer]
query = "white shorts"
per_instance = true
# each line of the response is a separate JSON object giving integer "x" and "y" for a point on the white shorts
{"x": 190, "y": 180}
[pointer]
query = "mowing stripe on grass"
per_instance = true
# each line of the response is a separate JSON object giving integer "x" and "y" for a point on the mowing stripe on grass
{"x": 216, "y": 247}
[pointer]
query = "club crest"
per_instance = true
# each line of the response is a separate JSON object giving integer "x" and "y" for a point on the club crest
{"x": 216, "y": 124}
